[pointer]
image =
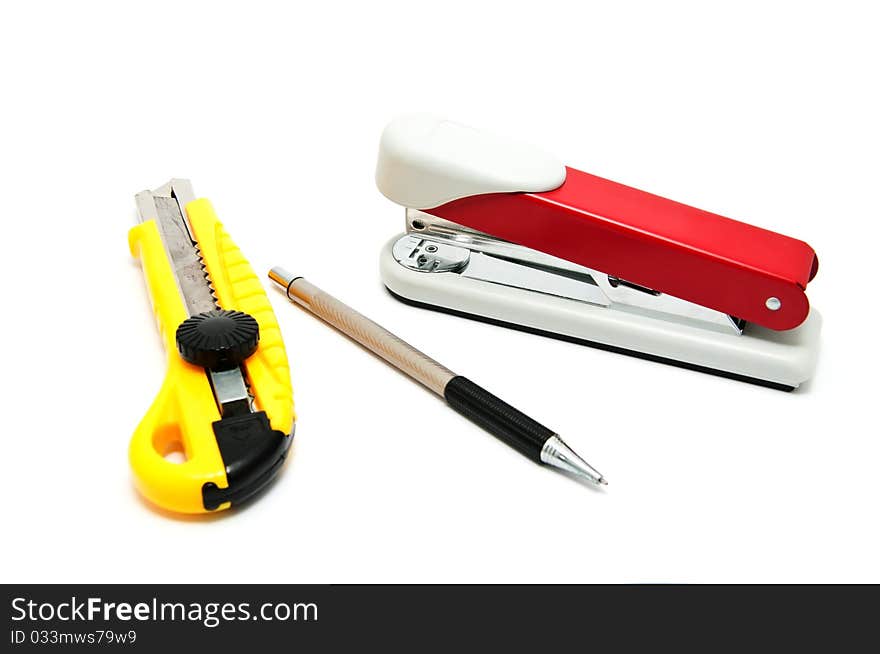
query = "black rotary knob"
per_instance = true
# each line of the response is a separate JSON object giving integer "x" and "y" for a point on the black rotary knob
{"x": 218, "y": 339}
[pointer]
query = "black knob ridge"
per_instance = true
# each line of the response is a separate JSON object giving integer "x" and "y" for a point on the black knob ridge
{"x": 218, "y": 339}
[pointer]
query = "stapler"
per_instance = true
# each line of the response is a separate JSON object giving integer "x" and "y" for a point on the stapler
{"x": 502, "y": 232}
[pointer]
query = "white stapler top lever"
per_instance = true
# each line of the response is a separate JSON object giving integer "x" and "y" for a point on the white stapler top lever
{"x": 425, "y": 162}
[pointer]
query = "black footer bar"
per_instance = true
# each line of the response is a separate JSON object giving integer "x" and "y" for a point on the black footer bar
{"x": 422, "y": 617}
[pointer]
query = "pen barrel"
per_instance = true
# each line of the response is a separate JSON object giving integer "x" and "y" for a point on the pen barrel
{"x": 372, "y": 336}
{"x": 497, "y": 417}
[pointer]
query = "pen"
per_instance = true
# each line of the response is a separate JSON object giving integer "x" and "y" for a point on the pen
{"x": 508, "y": 424}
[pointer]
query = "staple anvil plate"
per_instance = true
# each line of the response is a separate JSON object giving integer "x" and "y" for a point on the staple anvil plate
{"x": 502, "y": 232}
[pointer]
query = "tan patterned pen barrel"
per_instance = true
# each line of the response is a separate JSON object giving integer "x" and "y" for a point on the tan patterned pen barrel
{"x": 375, "y": 338}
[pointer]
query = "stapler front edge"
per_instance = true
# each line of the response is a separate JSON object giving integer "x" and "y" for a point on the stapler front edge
{"x": 502, "y": 232}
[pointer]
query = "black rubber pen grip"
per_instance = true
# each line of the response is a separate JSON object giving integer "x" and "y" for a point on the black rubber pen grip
{"x": 497, "y": 417}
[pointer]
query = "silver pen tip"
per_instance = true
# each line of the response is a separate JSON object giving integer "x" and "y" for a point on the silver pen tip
{"x": 559, "y": 455}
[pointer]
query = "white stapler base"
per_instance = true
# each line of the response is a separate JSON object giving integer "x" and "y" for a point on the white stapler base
{"x": 771, "y": 358}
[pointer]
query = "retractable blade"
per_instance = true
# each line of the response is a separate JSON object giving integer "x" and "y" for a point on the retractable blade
{"x": 166, "y": 205}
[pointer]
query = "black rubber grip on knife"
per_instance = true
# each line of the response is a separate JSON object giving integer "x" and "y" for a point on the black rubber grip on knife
{"x": 497, "y": 417}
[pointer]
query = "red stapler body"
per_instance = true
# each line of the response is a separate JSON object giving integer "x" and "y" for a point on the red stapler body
{"x": 502, "y": 232}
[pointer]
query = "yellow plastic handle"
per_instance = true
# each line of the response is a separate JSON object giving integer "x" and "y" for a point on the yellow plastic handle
{"x": 182, "y": 415}
{"x": 237, "y": 287}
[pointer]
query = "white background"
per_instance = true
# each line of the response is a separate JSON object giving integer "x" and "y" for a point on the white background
{"x": 766, "y": 112}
